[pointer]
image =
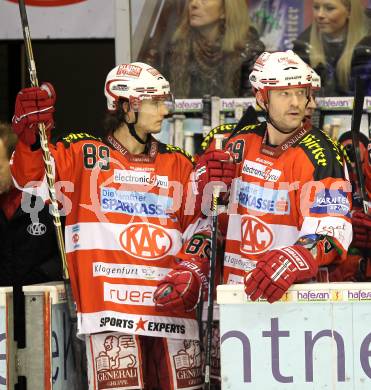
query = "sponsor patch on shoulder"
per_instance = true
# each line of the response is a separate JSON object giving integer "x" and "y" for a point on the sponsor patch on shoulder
{"x": 330, "y": 202}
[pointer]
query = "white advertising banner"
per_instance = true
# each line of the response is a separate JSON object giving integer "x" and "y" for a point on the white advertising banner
{"x": 317, "y": 337}
{"x": 59, "y": 19}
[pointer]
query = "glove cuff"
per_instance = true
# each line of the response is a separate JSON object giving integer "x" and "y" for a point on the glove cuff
{"x": 303, "y": 260}
{"x": 198, "y": 269}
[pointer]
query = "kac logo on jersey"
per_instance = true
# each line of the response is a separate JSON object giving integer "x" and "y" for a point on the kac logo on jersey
{"x": 256, "y": 236}
{"x": 36, "y": 229}
{"x": 145, "y": 241}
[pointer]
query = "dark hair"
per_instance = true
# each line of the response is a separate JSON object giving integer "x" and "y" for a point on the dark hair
{"x": 8, "y": 137}
{"x": 114, "y": 119}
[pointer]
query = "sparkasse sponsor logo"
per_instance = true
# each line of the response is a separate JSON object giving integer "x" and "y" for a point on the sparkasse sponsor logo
{"x": 262, "y": 199}
{"x": 144, "y": 204}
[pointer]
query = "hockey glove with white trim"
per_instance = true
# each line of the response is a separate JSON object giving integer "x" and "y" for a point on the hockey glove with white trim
{"x": 277, "y": 270}
{"x": 182, "y": 287}
{"x": 213, "y": 166}
{"x": 33, "y": 106}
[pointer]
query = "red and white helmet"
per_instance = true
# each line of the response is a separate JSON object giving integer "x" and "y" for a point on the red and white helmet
{"x": 316, "y": 80}
{"x": 279, "y": 70}
{"x": 135, "y": 82}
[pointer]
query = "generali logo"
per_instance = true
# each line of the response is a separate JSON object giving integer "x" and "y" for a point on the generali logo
{"x": 48, "y": 3}
{"x": 256, "y": 236}
{"x": 146, "y": 241}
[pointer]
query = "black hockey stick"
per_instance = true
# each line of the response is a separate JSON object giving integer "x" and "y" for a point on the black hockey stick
{"x": 48, "y": 165}
{"x": 213, "y": 259}
{"x": 249, "y": 117}
{"x": 359, "y": 97}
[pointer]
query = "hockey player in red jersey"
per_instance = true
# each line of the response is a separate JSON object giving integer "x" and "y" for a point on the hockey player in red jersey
{"x": 137, "y": 252}
{"x": 290, "y": 203}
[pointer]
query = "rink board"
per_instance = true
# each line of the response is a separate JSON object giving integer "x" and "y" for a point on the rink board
{"x": 318, "y": 337}
{"x": 47, "y": 362}
{"x": 6, "y": 339}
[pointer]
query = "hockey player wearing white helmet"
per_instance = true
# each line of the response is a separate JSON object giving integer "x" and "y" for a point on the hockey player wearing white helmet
{"x": 316, "y": 87}
{"x": 289, "y": 194}
{"x": 136, "y": 88}
{"x": 138, "y": 261}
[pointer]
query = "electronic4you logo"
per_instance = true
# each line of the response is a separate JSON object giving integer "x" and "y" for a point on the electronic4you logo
{"x": 49, "y": 3}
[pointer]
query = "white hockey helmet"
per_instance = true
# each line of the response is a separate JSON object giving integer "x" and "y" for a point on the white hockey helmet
{"x": 316, "y": 80}
{"x": 279, "y": 70}
{"x": 135, "y": 82}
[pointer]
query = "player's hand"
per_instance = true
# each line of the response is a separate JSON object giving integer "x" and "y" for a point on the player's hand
{"x": 33, "y": 106}
{"x": 361, "y": 230}
{"x": 277, "y": 270}
{"x": 215, "y": 167}
{"x": 182, "y": 287}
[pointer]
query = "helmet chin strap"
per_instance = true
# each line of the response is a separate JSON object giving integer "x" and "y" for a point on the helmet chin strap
{"x": 134, "y": 133}
{"x": 272, "y": 122}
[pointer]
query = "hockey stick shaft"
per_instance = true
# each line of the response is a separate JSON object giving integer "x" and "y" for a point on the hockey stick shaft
{"x": 213, "y": 259}
{"x": 359, "y": 97}
{"x": 47, "y": 163}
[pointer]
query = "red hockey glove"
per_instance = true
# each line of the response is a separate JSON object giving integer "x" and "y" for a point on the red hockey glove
{"x": 277, "y": 270}
{"x": 33, "y": 106}
{"x": 361, "y": 230}
{"x": 213, "y": 166}
{"x": 182, "y": 287}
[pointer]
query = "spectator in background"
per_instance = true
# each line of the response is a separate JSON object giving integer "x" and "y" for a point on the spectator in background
{"x": 335, "y": 45}
{"x": 213, "y": 50}
{"x": 28, "y": 248}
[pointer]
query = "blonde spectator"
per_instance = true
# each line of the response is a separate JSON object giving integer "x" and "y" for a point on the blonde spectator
{"x": 331, "y": 45}
{"x": 212, "y": 49}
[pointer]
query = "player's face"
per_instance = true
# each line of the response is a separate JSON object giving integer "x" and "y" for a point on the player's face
{"x": 331, "y": 16}
{"x": 151, "y": 115}
{"x": 287, "y": 107}
{"x": 204, "y": 12}
{"x": 5, "y": 177}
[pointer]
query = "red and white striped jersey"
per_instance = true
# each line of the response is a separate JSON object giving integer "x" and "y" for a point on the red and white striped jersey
{"x": 126, "y": 220}
{"x": 278, "y": 200}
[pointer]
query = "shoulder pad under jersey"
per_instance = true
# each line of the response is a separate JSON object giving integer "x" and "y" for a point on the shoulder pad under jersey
{"x": 324, "y": 152}
{"x": 258, "y": 128}
{"x": 167, "y": 148}
{"x": 222, "y": 129}
{"x": 76, "y": 137}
